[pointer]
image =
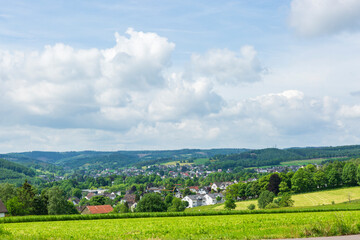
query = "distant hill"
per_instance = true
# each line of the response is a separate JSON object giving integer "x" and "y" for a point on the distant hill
{"x": 274, "y": 156}
{"x": 119, "y": 159}
{"x": 225, "y": 158}
{"x": 14, "y": 173}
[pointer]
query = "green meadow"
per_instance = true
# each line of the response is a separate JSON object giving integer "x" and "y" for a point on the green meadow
{"x": 301, "y": 200}
{"x": 251, "y": 226}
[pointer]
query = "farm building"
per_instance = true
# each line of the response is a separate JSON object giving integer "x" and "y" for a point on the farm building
{"x": 97, "y": 209}
{"x": 3, "y": 209}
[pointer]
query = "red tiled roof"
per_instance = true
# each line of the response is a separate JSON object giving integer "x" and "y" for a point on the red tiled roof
{"x": 100, "y": 209}
{"x": 194, "y": 187}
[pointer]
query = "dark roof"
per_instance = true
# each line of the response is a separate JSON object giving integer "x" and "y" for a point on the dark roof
{"x": 130, "y": 198}
{"x": 80, "y": 208}
{"x": 2, "y": 207}
{"x": 214, "y": 195}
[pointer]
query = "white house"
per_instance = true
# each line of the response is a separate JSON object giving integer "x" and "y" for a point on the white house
{"x": 211, "y": 198}
{"x": 194, "y": 200}
{"x": 220, "y": 185}
{"x": 3, "y": 209}
{"x": 203, "y": 191}
{"x": 155, "y": 189}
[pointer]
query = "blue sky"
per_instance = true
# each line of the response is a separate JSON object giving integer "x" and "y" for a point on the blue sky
{"x": 110, "y": 75}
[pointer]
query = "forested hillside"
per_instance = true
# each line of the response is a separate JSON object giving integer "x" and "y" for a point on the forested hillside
{"x": 94, "y": 160}
{"x": 220, "y": 158}
{"x": 274, "y": 156}
{"x": 13, "y": 172}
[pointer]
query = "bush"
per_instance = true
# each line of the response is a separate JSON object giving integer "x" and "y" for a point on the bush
{"x": 271, "y": 205}
{"x": 251, "y": 207}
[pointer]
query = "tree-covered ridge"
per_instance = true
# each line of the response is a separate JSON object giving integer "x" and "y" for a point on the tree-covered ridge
{"x": 112, "y": 160}
{"x": 4, "y": 164}
{"x": 253, "y": 158}
{"x": 274, "y": 156}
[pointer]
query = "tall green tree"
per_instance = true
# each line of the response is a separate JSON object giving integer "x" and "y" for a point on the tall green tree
{"x": 151, "y": 202}
{"x": 121, "y": 208}
{"x": 229, "y": 202}
{"x": 274, "y": 182}
{"x": 26, "y": 194}
{"x": 16, "y": 207}
{"x": 57, "y": 203}
{"x": 177, "y": 205}
{"x": 97, "y": 200}
{"x": 286, "y": 200}
{"x": 302, "y": 181}
{"x": 7, "y": 191}
{"x": 283, "y": 188}
{"x": 349, "y": 174}
{"x": 265, "y": 198}
{"x": 320, "y": 179}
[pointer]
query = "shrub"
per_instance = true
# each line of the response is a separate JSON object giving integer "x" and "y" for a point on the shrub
{"x": 251, "y": 207}
{"x": 271, "y": 205}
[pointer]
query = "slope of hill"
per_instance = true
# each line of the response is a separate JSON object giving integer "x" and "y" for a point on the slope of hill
{"x": 14, "y": 173}
{"x": 274, "y": 156}
{"x": 119, "y": 159}
{"x": 327, "y": 197}
{"x": 221, "y": 158}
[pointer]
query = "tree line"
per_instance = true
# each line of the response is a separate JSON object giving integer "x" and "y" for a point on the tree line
{"x": 25, "y": 200}
{"x": 310, "y": 178}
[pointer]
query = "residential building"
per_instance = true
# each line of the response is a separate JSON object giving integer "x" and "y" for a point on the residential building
{"x": 194, "y": 200}
{"x": 3, "y": 209}
{"x": 212, "y": 198}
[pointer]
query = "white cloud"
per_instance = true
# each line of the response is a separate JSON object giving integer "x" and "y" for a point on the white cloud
{"x": 61, "y": 98}
{"x": 318, "y": 17}
{"x": 350, "y": 112}
{"x": 227, "y": 67}
{"x": 184, "y": 99}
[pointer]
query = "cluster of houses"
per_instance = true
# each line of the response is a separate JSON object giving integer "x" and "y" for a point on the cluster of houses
{"x": 279, "y": 169}
{"x": 200, "y": 197}
{"x": 169, "y": 171}
{"x": 204, "y": 197}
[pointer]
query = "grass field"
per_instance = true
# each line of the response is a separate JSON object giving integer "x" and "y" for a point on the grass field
{"x": 201, "y": 161}
{"x": 303, "y": 162}
{"x": 175, "y": 162}
{"x": 301, "y": 200}
{"x": 253, "y": 226}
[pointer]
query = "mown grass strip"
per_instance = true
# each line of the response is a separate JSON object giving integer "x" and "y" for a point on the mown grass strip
{"x": 45, "y": 218}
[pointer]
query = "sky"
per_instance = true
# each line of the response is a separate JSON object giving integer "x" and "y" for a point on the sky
{"x": 152, "y": 75}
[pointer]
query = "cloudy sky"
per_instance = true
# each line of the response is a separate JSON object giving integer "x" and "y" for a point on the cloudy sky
{"x": 122, "y": 75}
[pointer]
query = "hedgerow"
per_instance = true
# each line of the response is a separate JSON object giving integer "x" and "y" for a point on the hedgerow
{"x": 44, "y": 218}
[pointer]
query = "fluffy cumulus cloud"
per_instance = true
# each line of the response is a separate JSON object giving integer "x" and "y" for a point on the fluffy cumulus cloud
{"x": 318, "y": 17}
{"x": 129, "y": 97}
{"x": 224, "y": 66}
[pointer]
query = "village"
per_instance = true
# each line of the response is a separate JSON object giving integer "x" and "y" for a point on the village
{"x": 197, "y": 196}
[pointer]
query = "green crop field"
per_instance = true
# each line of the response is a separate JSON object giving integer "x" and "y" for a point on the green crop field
{"x": 201, "y": 161}
{"x": 303, "y": 162}
{"x": 252, "y": 226}
{"x": 175, "y": 162}
{"x": 305, "y": 199}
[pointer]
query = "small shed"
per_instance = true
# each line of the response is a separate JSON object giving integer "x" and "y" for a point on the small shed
{"x": 3, "y": 209}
